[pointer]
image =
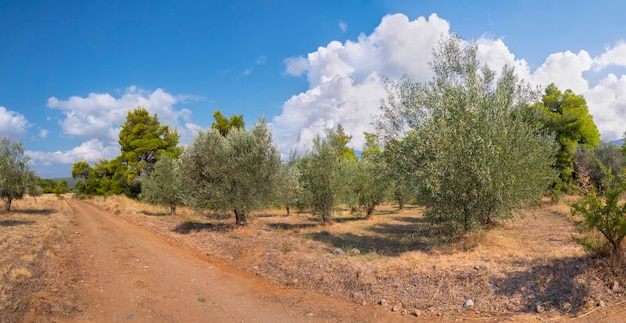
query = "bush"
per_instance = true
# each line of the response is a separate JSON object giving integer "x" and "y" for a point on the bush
{"x": 601, "y": 211}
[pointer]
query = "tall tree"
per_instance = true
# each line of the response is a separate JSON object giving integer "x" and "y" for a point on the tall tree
{"x": 237, "y": 172}
{"x": 566, "y": 115}
{"x": 321, "y": 169}
{"x": 163, "y": 185}
{"x": 16, "y": 178}
{"x": 224, "y": 125}
{"x": 143, "y": 139}
{"x": 478, "y": 162}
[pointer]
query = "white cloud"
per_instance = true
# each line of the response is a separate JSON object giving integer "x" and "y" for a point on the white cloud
{"x": 612, "y": 56}
{"x": 12, "y": 124}
{"x": 99, "y": 115}
{"x": 345, "y": 79}
{"x": 43, "y": 133}
{"x": 343, "y": 26}
{"x": 91, "y": 151}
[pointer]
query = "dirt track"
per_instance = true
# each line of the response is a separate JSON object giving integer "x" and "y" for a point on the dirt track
{"x": 129, "y": 273}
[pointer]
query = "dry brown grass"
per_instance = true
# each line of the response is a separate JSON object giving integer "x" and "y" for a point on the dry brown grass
{"x": 30, "y": 235}
{"x": 506, "y": 270}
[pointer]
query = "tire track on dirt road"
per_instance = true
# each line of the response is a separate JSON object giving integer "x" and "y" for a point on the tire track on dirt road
{"x": 129, "y": 273}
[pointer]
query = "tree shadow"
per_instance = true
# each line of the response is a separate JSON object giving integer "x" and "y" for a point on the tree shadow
{"x": 188, "y": 226}
{"x": 290, "y": 226}
{"x": 12, "y": 223}
{"x": 34, "y": 211}
{"x": 559, "y": 284}
{"x": 149, "y": 213}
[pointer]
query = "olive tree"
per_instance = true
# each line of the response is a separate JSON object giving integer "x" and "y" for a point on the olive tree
{"x": 16, "y": 178}
{"x": 162, "y": 186}
{"x": 479, "y": 161}
{"x": 238, "y": 172}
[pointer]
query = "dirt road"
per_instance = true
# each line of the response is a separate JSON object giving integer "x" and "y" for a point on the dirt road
{"x": 129, "y": 273}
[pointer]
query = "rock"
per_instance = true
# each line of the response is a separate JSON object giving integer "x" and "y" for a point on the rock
{"x": 357, "y": 294}
{"x": 40, "y": 247}
{"x": 309, "y": 314}
{"x": 477, "y": 267}
{"x": 615, "y": 286}
{"x": 404, "y": 312}
{"x": 382, "y": 301}
{"x": 338, "y": 251}
{"x": 431, "y": 309}
{"x": 417, "y": 312}
{"x": 600, "y": 304}
{"x": 396, "y": 308}
{"x": 355, "y": 251}
{"x": 363, "y": 303}
{"x": 539, "y": 308}
{"x": 468, "y": 303}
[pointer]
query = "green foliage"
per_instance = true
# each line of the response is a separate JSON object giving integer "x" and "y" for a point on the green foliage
{"x": 237, "y": 172}
{"x": 566, "y": 115}
{"x": 602, "y": 211}
{"x": 288, "y": 190}
{"x": 48, "y": 185}
{"x": 402, "y": 167}
{"x": 224, "y": 125}
{"x": 589, "y": 163}
{"x": 16, "y": 178}
{"x": 367, "y": 181}
{"x": 477, "y": 160}
{"x": 163, "y": 185}
{"x": 143, "y": 139}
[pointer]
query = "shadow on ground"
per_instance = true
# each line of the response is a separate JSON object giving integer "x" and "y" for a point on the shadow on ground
{"x": 12, "y": 223}
{"x": 188, "y": 226}
{"x": 155, "y": 213}
{"x": 561, "y": 284}
{"x": 34, "y": 211}
{"x": 290, "y": 226}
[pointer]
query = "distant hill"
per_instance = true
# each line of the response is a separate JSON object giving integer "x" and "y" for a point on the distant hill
{"x": 618, "y": 142}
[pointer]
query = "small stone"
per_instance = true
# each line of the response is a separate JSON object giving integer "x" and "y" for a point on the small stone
{"x": 295, "y": 280}
{"x": 477, "y": 267}
{"x": 404, "y": 312}
{"x": 468, "y": 303}
{"x": 355, "y": 251}
{"x": 396, "y": 308}
{"x": 615, "y": 286}
{"x": 40, "y": 247}
{"x": 363, "y": 303}
{"x": 539, "y": 308}
{"x": 357, "y": 294}
{"x": 431, "y": 309}
{"x": 338, "y": 251}
{"x": 382, "y": 302}
{"x": 309, "y": 314}
{"x": 600, "y": 304}
{"x": 417, "y": 312}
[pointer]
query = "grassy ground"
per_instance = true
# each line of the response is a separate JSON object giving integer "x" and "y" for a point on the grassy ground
{"x": 524, "y": 268}
{"x": 31, "y": 236}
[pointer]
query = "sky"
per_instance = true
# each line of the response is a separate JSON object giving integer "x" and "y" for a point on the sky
{"x": 71, "y": 70}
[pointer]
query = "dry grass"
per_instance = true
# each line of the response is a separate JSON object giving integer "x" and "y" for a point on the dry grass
{"x": 506, "y": 271}
{"x": 30, "y": 235}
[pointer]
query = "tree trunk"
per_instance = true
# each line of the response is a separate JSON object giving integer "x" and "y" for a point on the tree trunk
{"x": 288, "y": 209}
{"x": 7, "y": 204}
{"x": 400, "y": 204}
{"x": 172, "y": 208}
{"x": 240, "y": 218}
{"x": 327, "y": 218}
{"x": 369, "y": 211}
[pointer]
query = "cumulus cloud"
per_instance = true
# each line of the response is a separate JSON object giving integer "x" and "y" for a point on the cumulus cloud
{"x": 346, "y": 79}
{"x": 12, "y": 124}
{"x": 91, "y": 151}
{"x": 99, "y": 115}
{"x": 43, "y": 133}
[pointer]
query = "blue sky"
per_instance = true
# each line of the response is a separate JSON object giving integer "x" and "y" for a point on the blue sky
{"x": 71, "y": 70}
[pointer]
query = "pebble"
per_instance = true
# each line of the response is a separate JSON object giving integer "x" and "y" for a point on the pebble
{"x": 396, "y": 308}
{"x": 382, "y": 302}
{"x": 338, "y": 251}
{"x": 468, "y": 303}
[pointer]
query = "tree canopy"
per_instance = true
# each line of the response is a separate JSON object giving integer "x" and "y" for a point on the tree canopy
{"x": 16, "y": 178}
{"x": 478, "y": 161}
{"x": 566, "y": 115}
{"x": 224, "y": 125}
{"x": 238, "y": 172}
{"x": 163, "y": 185}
